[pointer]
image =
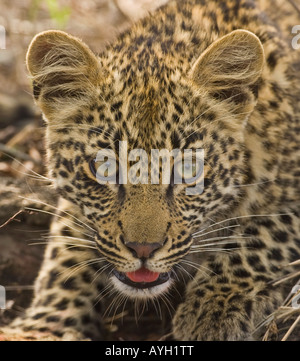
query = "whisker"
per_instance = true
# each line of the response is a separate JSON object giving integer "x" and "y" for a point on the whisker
{"x": 197, "y": 267}
{"x": 109, "y": 288}
{"x": 35, "y": 174}
{"x": 74, "y": 238}
{"x": 182, "y": 269}
{"x": 100, "y": 271}
{"x": 216, "y": 230}
{"x": 168, "y": 304}
{"x": 79, "y": 266}
{"x": 241, "y": 217}
{"x": 157, "y": 307}
{"x": 61, "y": 243}
{"x": 222, "y": 238}
{"x": 220, "y": 250}
{"x": 61, "y": 217}
{"x": 254, "y": 184}
{"x": 197, "y": 246}
{"x": 207, "y": 110}
{"x": 83, "y": 224}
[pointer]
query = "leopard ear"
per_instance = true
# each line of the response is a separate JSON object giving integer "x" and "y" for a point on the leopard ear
{"x": 230, "y": 66}
{"x": 63, "y": 70}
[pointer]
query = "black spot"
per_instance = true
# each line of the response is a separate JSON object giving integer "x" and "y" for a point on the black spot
{"x": 68, "y": 263}
{"x": 102, "y": 144}
{"x": 54, "y": 253}
{"x": 62, "y": 305}
{"x": 196, "y": 304}
{"x": 121, "y": 193}
{"x": 272, "y": 59}
{"x": 222, "y": 279}
{"x": 263, "y": 293}
{"x": 286, "y": 219}
{"x": 241, "y": 273}
{"x": 253, "y": 260}
{"x": 43, "y": 329}
{"x": 255, "y": 244}
{"x": 175, "y": 139}
{"x": 48, "y": 300}
{"x": 68, "y": 189}
{"x": 248, "y": 308}
{"x": 86, "y": 319}
{"x": 68, "y": 165}
{"x": 69, "y": 284}
{"x": 39, "y": 315}
{"x": 116, "y": 106}
{"x": 243, "y": 284}
{"x": 86, "y": 277}
{"x": 221, "y": 304}
{"x": 200, "y": 293}
{"x": 90, "y": 119}
{"x": 178, "y": 108}
{"x": 216, "y": 315}
{"x": 52, "y": 277}
{"x": 293, "y": 254}
{"x": 226, "y": 289}
{"x": 70, "y": 322}
{"x": 235, "y": 297}
{"x": 235, "y": 259}
{"x": 50, "y": 319}
{"x": 281, "y": 237}
{"x": 252, "y": 231}
{"x": 244, "y": 326}
{"x": 78, "y": 303}
{"x": 63, "y": 174}
{"x": 58, "y": 333}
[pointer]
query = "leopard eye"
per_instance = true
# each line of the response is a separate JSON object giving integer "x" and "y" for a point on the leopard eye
{"x": 188, "y": 171}
{"x": 104, "y": 170}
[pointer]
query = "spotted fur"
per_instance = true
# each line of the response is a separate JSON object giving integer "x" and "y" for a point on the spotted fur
{"x": 215, "y": 75}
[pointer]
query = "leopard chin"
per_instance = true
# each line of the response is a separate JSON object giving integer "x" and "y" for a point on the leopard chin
{"x": 142, "y": 293}
{"x": 141, "y": 290}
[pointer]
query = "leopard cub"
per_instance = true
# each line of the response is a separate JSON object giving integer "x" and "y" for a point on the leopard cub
{"x": 217, "y": 76}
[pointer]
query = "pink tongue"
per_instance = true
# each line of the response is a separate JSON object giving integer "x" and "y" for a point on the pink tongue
{"x": 142, "y": 275}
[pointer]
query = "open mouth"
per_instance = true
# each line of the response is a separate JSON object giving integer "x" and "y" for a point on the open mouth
{"x": 142, "y": 278}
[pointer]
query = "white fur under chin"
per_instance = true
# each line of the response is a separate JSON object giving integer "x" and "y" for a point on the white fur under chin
{"x": 144, "y": 293}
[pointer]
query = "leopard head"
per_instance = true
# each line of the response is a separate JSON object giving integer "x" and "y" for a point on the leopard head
{"x": 136, "y": 94}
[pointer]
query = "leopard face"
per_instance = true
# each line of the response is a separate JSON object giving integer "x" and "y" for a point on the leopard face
{"x": 150, "y": 100}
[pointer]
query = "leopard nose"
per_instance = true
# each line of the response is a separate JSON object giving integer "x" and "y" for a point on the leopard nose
{"x": 143, "y": 250}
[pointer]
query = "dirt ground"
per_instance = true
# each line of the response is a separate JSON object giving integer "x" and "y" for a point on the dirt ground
{"x": 25, "y": 190}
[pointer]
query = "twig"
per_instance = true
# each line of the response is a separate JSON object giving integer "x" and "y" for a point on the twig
{"x": 11, "y": 218}
{"x": 292, "y": 2}
{"x": 19, "y": 288}
{"x": 286, "y": 336}
{"x": 17, "y": 154}
{"x": 283, "y": 279}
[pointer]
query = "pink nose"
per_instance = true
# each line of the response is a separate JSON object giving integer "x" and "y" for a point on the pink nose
{"x": 143, "y": 250}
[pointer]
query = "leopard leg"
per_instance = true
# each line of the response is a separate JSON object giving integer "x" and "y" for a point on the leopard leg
{"x": 68, "y": 290}
{"x": 240, "y": 293}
